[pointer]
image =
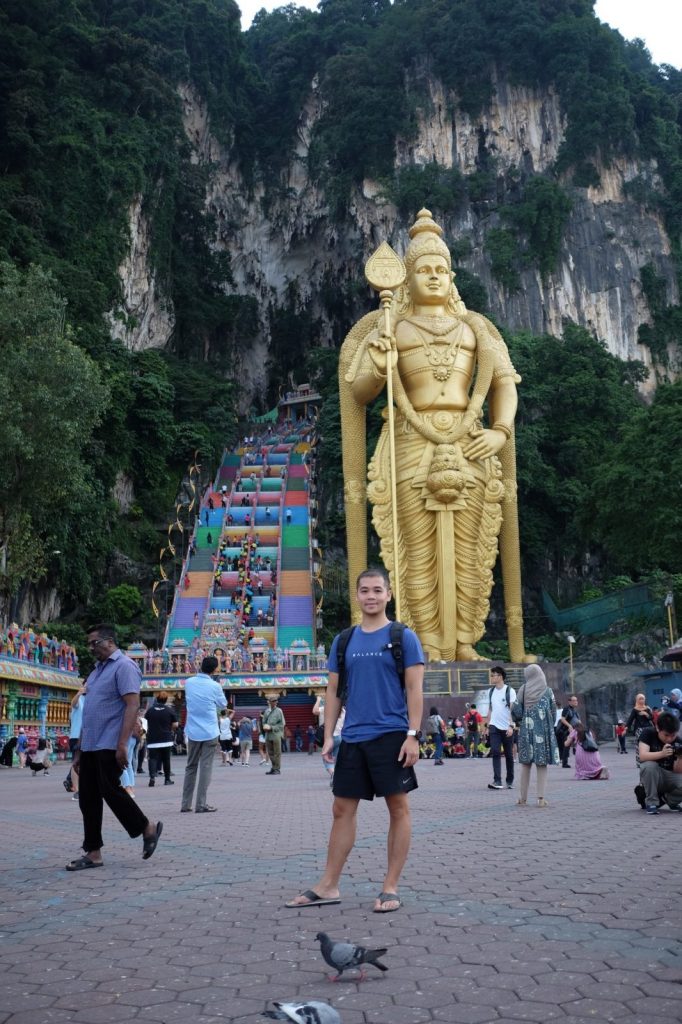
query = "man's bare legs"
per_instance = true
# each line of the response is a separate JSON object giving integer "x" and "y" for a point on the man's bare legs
{"x": 341, "y": 840}
{"x": 398, "y": 846}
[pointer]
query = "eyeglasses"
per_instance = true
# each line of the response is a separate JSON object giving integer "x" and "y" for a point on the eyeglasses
{"x": 94, "y": 643}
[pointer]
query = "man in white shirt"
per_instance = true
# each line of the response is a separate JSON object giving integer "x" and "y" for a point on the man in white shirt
{"x": 203, "y": 697}
{"x": 501, "y": 727}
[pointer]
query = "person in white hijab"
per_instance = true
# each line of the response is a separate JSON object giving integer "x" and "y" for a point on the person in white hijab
{"x": 537, "y": 742}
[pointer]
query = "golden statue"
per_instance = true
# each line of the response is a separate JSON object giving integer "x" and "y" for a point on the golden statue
{"x": 455, "y": 480}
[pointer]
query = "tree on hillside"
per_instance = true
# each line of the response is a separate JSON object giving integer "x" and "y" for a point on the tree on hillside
{"x": 636, "y": 507}
{"x": 52, "y": 397}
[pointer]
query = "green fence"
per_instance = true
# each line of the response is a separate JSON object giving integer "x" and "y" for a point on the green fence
{"x": 596, "y": 616}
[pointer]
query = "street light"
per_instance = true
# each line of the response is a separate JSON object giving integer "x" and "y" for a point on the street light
{"x": 670, "y": 605}
{"x": 570, "y": 639}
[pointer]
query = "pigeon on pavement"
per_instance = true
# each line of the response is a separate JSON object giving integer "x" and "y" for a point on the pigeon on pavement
{"x": 304, "y": 1013}
{"x": 343, "y": 955}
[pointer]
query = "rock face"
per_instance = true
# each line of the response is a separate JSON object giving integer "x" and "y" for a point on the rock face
{"x": 145, "y": 318}
{"x": 292, "y": 239}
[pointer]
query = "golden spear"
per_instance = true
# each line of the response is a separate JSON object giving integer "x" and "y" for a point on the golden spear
{"x": 385, "y": 271}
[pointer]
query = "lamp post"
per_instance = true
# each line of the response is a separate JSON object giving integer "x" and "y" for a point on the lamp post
{"x": 670, "y": 606}
{"x": 570, "y": 639}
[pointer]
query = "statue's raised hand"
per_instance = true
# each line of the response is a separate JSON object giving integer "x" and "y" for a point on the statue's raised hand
{"x": 379, "y": 344}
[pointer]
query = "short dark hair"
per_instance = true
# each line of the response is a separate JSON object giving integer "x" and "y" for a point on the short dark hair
{"x": 104, "y": 631}
{"x": 668, "y": 722}
{"x": 374, "y": 570}
{"x": 433, "y": 711}
{"x": 498, "y": 670}
{"x": 209, "y": 665}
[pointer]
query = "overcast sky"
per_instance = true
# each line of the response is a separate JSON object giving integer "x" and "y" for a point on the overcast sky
{"x": 657, "y": 22}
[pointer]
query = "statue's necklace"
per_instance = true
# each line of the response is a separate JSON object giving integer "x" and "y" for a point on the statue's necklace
{"x": 441, "y": 358}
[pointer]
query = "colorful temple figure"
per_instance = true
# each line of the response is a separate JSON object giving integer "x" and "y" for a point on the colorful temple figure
{"x": 454, "y": 478}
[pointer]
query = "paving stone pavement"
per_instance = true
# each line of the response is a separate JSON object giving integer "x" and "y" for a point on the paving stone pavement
{"x": 510, "y": 914}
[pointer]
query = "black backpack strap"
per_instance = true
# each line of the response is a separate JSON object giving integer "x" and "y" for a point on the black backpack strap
{"x": 344, "y": 640}
{"x": 396, "y": 641}
{"x": 507, "y": 697}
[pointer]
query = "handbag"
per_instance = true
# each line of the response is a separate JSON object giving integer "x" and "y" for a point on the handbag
{"x": 516, "y": 710}
{"x": 589, "y": 744}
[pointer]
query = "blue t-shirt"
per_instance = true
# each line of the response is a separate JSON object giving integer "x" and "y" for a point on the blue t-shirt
{"x": 376, "y": 701}
{"x": 104, "y": 707}
{"x": 245, "y": 729}
{"x": 76, "y": 719}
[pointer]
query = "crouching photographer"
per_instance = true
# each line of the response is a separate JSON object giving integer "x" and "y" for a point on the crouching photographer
{"x": 660, "y": 772}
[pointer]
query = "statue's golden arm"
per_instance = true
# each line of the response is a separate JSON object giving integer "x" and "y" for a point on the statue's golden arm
{"x": 502, "y": 404}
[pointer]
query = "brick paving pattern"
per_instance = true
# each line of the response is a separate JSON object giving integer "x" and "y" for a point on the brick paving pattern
{"x": 510, "y": 914}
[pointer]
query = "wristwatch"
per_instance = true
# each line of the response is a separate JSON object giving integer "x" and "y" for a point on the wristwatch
{"x": 412, "y": 732}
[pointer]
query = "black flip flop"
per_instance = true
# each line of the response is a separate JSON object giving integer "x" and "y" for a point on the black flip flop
{"x": 388, "y": 897}
{"x": 314, "y": 900}
{"x": 82, "y": 863}
{"x": 151, "y": 842}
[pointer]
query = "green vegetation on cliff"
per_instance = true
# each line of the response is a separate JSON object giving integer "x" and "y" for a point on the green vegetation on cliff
{"x": 92, "y": 101}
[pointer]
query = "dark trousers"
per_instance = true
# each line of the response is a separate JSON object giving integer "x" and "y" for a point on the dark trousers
{"x": 159, "y": 759}
{"x": 564, "y": 751}
{"x": 99, "y": 783}
{"x": 499, "y": 741}
{"x": 141, "y": 750}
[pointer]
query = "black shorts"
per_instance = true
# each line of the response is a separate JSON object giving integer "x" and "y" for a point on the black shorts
{"x": 225, "y": 745}
{"x": 371, "y": 768}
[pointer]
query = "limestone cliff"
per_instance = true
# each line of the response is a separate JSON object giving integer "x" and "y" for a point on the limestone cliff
{"x": 288, "y": 236}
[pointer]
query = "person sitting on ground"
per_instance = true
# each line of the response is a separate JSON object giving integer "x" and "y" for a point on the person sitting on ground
{"x": 458, "y": 750}
{"x": 588, "y": 763}
{"x": 39, "y": 760}
{"x": 660, "y": 773}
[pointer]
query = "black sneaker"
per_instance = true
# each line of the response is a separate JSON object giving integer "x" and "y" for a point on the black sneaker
{"x": 151, "y": 782}
{"x": 273, "y": 771}
{"x": 494, "y": 785}
{"x": 652, "y": 808}
{"x": 169, "y": 782}
{"x": 640, "y": 795}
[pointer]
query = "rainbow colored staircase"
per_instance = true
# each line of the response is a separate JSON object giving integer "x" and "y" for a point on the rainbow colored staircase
{"x": 260, "y": 492}
{"x": 296, "y": 610}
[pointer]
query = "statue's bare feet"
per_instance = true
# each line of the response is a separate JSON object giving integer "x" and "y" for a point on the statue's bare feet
{"x": 465, "y": 652}
{"x": 522, "y": 658}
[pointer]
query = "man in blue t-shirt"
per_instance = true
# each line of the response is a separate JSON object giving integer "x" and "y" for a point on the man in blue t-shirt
{"x": 379, "y": 741}
{"x": 109, "y": 715}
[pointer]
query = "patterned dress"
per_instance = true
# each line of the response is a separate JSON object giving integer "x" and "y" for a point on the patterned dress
{"x": 537, "y": 742}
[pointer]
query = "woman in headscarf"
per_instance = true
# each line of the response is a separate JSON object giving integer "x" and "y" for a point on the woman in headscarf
{"x": 641, "y": 717}
{"x": 537, "y": 742}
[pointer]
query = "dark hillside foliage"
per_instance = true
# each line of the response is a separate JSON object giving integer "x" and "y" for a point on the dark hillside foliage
{"x": 91, "y": 122}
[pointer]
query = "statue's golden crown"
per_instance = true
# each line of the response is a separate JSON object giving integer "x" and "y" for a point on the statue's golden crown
{"x": 427, "y": 239}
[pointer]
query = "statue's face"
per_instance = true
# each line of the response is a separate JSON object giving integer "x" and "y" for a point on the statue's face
{"x": 430, "y": 280}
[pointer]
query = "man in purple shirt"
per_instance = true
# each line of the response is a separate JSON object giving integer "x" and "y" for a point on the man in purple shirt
{"x": 109, "y": 714}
